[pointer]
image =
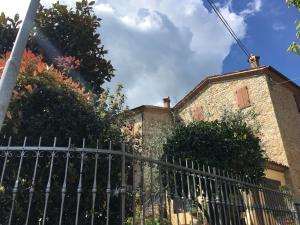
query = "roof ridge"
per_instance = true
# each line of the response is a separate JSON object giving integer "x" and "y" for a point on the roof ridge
{"x": 224, "y": 76}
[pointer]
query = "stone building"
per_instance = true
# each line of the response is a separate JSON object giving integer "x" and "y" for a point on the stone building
{"x": 263, "y": 89}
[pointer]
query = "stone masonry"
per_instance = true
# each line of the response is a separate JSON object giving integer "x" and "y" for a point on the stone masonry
{"x": 271, "y": 96}
{"x": 277, "y": 115}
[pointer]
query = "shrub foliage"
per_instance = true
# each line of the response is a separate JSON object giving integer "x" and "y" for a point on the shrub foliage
{"x": 228, "y": 144}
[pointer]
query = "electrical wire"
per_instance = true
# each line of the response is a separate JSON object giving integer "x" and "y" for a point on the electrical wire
{"x": 224, "y": 21}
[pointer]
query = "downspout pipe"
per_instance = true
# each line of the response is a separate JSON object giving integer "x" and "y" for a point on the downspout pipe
{"x": 12, "y": 66}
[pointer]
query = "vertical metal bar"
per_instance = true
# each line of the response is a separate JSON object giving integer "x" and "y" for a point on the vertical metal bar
{"x": 288, "y": 210}
{"x": 278, "y": 206}
{"x": 198, "y": 197}
{"x": 207, "y": 199}
{"x": 195, "y": 191}
{"x": 290, "y": 207}
{"x": 64, "y": 186}
{"x": 235, "y": 193}
{"x": 227, "y": 199}
{"x": 168, "y": 191}
{"x": 123, "y": 189}
{"x": 254, "y": 192}
{"x": 218, "y": 200}
{"x": 161, "y": 199}
{"x": 251, "y": 203}
{"x": 244, "y": 190}
{"x": 240, "y": 197}
{"x": 176, "y": 193}
{"x": 244, "y": 197}
{"x": 189, "y": 193}
{"x": 143, "y": 194}
{"x": 133, "y": 188}
{"x": 108, "y": 189}
{"x": 16, "y": 186}
{"x": 268, "y": 194}
{"x": 293, "y": 209}
{"x": 183, "y": 198}
{"x": 79, "y": 187}
{"x": 212, "y": 199}
{"x": 94, "y": 188}
{"x": 261, "y": 209}
{"x": 223, "y": 199}
{"x": 5, "y": 161}
{"x": 232, "y": 198}
{"x": 203, "y": 194}
{"x": 32, "y": 187}
{"x": 48, "y": 187}
{"x": 152, "y": 194}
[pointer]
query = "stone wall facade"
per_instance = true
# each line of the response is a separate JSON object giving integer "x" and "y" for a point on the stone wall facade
{"x": 288, "y": 118}
{"x": 277, "y": 115}
{"x": 221, "y": 96}
{"x": 278, "y": 118}
{"x": 157, "y": 126}
{"x": 152, "y": 125}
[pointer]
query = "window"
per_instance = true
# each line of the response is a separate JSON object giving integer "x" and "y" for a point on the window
{"x": 197, "y": 113}
{"x": 243, "y": 99}
{"x": 297, "y": 99}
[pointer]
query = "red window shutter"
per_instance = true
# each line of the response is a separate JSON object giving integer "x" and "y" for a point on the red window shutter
{"x": 198, "y": 113}
{"x": 239, "y": 97}
{"x": 246, "y": 98}
{"x": 243, "y": 99}
{"x": 297, "y": 99}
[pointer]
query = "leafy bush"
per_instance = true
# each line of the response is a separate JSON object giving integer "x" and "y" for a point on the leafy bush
{"x": 228, "y": 144}
{"x": 46, "y": 103}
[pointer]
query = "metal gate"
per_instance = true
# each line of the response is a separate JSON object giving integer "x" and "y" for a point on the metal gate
{"x": 68, "y": 185}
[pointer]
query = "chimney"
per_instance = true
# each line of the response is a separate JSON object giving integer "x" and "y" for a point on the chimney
{"x": 167, "y": 102}
{"x": 254, "y": 61}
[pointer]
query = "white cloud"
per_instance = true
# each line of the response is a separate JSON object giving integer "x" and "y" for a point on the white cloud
{"x": 145, "y": 20}
{"x": 163, "y": 48}
{"x": 252, "y": 7}
{"x": 278, "y": 27}
{"x": 104, "y": 8}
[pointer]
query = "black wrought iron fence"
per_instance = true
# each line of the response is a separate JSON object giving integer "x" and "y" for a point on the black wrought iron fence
{"x": 69, "y": 185}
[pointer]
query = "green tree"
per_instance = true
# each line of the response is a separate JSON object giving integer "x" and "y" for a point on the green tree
{"x": 295, "y": 46}
{"x": 8, "y": 32}
{"x": 227, "y": 144}
{"x": 47, "y": 103}
{"x": 63, "y": 31}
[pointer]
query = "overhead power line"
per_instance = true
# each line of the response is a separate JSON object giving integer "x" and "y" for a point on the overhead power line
{"x": 224, "y": 21}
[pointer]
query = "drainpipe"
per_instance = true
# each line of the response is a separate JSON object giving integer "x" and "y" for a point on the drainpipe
{"x": 11, "y": 69}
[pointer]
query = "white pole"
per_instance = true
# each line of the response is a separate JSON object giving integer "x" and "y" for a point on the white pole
{"x": 11, "y": 69}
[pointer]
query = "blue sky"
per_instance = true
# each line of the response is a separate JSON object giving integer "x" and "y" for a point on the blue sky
{"x": 163, "y": 48}
{"x": 269, "y": 34}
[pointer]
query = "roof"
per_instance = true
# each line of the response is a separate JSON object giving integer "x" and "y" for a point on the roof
{"x": 276, "y": 166}
{"x": 262, "y": 70}
{"x": 150, "y": 107}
